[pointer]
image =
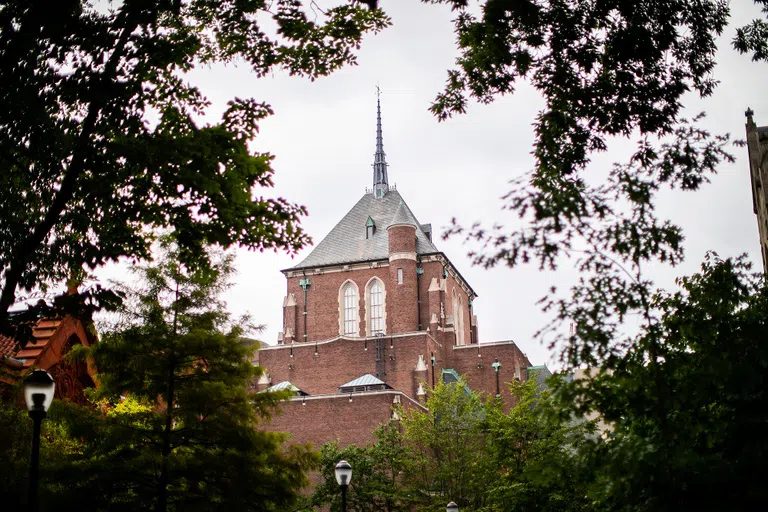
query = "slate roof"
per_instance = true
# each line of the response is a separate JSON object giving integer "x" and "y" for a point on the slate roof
{"x": 346, "y": 243}
{"x": 365, "y": 380}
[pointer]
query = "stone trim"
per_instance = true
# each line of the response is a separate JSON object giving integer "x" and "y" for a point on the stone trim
{"x": 338, "y": 267}
{"x": 402, "y": 256}
{"x": 311, "y": 344}
{"x": 340, "y": 298}
{"x": 485, "y": 344}
{"x": 358, "y": 394}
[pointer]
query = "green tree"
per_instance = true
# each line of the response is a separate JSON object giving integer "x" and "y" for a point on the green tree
{"x": 534, "y": 448}
{"x": 687, "y": 402}
{"x": 449, "y": 459}
{"x": 58, "y": 449}
{"x": 378, "y": 474}
{"x": 683, "y": 405}
{"x": 200, "y": 448}
{"x": 100, "y": 140}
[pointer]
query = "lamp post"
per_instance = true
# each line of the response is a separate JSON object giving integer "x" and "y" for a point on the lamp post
{"x": 343, "y": 477}
{"x": 452, "y": 507}
{"x": 38, "y": 394}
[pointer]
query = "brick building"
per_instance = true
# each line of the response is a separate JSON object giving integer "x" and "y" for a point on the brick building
{"x": 757, "y": 146}
{"x": 52, "y": 339}
{"x": 374, "y": 316}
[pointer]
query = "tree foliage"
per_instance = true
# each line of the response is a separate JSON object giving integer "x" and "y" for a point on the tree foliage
{"x": 463, "y": 450}
{"x": 683, "y": 403}
{"x": 199, "y": 448}
{"x": 101, "y": 138}
{"x": 668, "y": 378}
{"x": 534, "y": 450}
{"x": 687, "y": 401}
{"x": 604, "y": 68}
{"x": 379, "y": 479}
{"x": 449, "y": 460}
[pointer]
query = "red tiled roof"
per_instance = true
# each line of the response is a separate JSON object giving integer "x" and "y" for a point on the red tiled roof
{"x": 7, "y": 346}
{"x": 41, "y": 332}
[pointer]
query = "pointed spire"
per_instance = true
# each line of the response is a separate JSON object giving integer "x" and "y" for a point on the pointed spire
{"x": 380, "y": 179}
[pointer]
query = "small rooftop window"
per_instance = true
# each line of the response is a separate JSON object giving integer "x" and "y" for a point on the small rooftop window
{"x": 370, "y": 228}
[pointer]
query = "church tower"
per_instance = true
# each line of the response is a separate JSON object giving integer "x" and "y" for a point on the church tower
{"x": 375, "y": 315}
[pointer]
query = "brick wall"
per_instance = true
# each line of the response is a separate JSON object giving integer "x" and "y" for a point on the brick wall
{"x": 479, "y": 372}
{"x": 403, "y": 315}
{"x": 320, "y": 369}
{"x": 401, "y": 238}
{"x": 406, "y": 304}
{"x": 341, "y": 360}
{"x": 323, "y": 300}
{"x": 318, "y": 420}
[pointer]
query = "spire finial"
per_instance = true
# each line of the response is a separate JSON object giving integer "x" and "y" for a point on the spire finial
{"x": 380, "y": 180}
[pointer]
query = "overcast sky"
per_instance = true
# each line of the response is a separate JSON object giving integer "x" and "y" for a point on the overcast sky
{"x": 323, "y": 136}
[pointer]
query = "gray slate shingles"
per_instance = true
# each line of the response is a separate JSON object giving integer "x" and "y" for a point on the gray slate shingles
{"x": 346, "y": 243}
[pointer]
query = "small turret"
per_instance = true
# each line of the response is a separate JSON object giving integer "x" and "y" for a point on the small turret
{"x": 402, "y": 269}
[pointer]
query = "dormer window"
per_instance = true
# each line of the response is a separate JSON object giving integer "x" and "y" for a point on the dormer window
{"x": 370, "y": 228}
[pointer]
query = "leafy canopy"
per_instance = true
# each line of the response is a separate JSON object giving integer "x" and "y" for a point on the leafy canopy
{"x": 686, "y": 402}
{"x": 101, "y": 142}
{"x": 201, "y": 447}
{"x": 461, "y": 449}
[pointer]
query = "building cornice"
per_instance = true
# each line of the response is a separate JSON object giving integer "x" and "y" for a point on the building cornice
{"x": 485, "y": 344}
{"x": 311, "y": 344}
{"x": 402, "y": 256}
{"x": 441, "y": 257}
{"x": 359, "y": 394}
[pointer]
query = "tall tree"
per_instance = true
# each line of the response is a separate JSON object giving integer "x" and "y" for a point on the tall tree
{"x": 533, "y": 448}
{"x": 687, "y": 401}
{"x": 682, "y": 403}
{"x": 379, "y": 482}
{"x": 101, "y": 142}
{"x": 449, "y": 457}
{"x": 604, "y": 69}
{"x": 200, "y": 449}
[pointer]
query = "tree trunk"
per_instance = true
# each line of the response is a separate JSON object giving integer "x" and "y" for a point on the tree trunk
{"x": 162, "y": 498}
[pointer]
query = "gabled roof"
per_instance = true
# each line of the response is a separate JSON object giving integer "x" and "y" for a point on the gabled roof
{"x": 42, "y": 333}
{"x": 346, "y": 243}
{"x": 365, "y": 380}
{"x": 285, "y": 386}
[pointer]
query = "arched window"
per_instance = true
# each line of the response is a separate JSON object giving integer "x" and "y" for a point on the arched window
{"x": 349, "y": 309}
{"x": 458, "y": 318}
{"x": 376, "y": 307}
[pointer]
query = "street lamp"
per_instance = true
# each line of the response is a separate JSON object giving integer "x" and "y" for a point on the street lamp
{"x": 343, "y": 477}
{"x": 452, "y": 507}
{"x": 38, "y": 394}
